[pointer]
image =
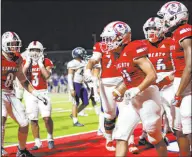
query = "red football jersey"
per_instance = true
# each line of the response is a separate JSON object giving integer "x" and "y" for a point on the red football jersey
{"x": 107, "y": 62}
{"x": 160, "y": 55}
{"x": 9, "y": 68}
{"x": 35, "y": 76}
{"x": 132, "y": 74}
{"x": 180, "y": 33}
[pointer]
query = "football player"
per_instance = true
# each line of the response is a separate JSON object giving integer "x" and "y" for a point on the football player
{"x": 12, "y": 68}
{"x": 93, "y": 86}
{"x": 75, "y": 82}
{"x": 161, "y": 58}
{"x": 110, "y": 77}
{"x": 38, "y": 70}
{"x": 141, "y": 99}
{"x": 95, "y": 96}
{"x": 175, "y": 20}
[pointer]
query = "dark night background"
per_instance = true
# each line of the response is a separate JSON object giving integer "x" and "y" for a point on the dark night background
{"x": 63, "y": 25}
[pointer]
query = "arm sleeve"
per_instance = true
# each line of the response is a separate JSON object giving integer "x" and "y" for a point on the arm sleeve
{"x": 70, "y": 81}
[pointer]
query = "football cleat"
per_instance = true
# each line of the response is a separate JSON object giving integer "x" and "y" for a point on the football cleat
{"x": 78, "y": 124}
{"x": 82, "y": 114}
{"x": 24, "y": 153}
{"x": 133, "y": 148}
{"x": 145, "y": 142}
{"x": 51, "y": 144}
{"x": 110, "y": 146}
{"x": 3, "y": 152}
{"x": 38, "y": 144}
{"x": 99, "y": 132}
{"x": 35, "y": 147}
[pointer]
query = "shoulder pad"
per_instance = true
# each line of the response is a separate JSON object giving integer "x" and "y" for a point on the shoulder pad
{"x": 74, "y": 64}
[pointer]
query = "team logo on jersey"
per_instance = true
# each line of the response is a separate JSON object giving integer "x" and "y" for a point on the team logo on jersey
{"x": 125, "y": 54}
{"x": 163, "y": 46}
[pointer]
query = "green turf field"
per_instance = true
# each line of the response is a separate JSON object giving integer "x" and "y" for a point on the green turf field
{"x": 61, "y": 109}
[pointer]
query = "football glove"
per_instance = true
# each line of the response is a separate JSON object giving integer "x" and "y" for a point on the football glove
{"x": 88, "y": 75}
{"x": 40, "y": 96}
{"x": 130, "y": 94}
{"x": 177, "y": 101}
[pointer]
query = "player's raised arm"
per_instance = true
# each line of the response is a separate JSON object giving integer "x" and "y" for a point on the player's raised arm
{"x": 46, "y": 71}
{"x": 95, "y": 59}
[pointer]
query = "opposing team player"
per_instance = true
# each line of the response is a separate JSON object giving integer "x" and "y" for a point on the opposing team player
{"x": 161, "y": 58}
{"x": 75, "y": 82}
{"x": 93, "y": 86}
{"x": 175, "y": 17}
{"x": 38, "y": 70}
{"x": 12, "y": 68}
{"x": 141, "y": 98}
{"x": 110, "y": 78}
{"x": 94, "y": 94}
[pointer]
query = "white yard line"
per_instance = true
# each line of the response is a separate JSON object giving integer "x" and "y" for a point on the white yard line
{"x": 82, "y": 133}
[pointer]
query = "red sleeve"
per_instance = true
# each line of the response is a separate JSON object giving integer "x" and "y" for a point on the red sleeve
{"x": 140, "y": 49}
{"x": 183, "y": 32}
{"x": 48, "y": 62}
{"x": 97, "y": 47}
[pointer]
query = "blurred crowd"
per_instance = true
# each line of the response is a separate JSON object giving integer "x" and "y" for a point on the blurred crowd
{"x": 58, "y": 83}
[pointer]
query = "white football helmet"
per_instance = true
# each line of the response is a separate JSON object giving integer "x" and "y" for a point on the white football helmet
{"x": 35, "y": 50}
{"x": 114, "y": 35}
{"x": 11, "y": 43}
{"x": 173, "y": 13}
{"x": 153, "y": 29}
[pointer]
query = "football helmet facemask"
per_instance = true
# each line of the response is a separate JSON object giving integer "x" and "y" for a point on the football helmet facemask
{"x": 11, "y": 44}
{"x": 35, "y": 50}
{"x": 153, "y": 29}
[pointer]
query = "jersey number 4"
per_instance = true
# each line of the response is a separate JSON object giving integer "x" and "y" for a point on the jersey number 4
{"x": 126, "y": 75}
{"x": 160, "y": 65}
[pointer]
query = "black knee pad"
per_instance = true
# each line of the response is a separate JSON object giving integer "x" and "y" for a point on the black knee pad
{"x": 109, "y": 124}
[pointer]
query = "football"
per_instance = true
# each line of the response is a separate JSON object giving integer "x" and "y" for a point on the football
{"x": 119, "y": 90}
